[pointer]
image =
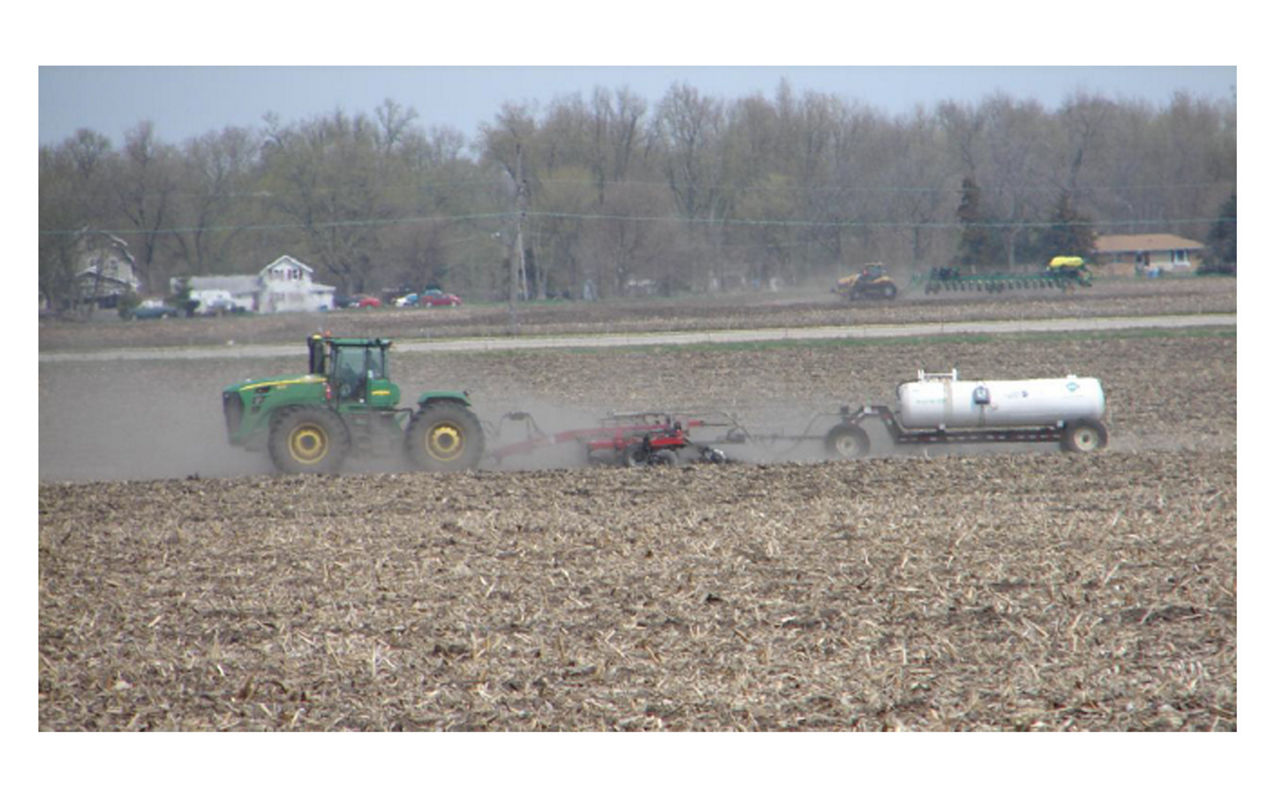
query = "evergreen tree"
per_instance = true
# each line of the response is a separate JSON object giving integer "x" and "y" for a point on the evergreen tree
{"x": 977, "y": 246}
{"x": 1069, "y": 233}
{"x": 1222, "y": 236}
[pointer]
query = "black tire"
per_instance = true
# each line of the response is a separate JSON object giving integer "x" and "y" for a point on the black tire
{"x": 444, "y": 437}
{"x": 663, "y": 458}
{"x": 636, "y": 455}
{"x": 1084, "y": 436}
{"x": 308, "y": 440}
{"x": 889, "y": 291}
{"x": 847, "y": 442}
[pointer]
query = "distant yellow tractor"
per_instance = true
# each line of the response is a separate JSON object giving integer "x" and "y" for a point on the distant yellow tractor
{"x": 870, "y": 282}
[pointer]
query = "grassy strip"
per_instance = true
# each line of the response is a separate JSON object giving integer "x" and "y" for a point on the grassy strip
{"x": 897, "y": 341}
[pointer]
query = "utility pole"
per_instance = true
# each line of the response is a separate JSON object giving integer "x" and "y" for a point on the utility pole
{"x": 517, "y": 277}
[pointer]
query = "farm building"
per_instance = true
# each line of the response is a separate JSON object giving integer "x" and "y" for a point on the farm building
{"x": 1147, "y": 252}
{"x": 283, "y": 285}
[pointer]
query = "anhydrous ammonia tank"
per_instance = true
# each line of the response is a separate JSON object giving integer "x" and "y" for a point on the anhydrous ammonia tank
{"x": 942, "y": 400}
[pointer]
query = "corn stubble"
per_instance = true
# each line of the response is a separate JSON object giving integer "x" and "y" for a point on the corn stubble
{"x": 1010, "y": 592}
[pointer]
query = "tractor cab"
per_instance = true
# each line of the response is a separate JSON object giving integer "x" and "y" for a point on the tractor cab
{"x": 355, "y": 371}
{"x": 871, "y": 271}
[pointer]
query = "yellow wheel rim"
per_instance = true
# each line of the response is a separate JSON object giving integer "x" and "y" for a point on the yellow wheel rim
{"x": 308, "y": 444}
{"x": 445, "y": 441}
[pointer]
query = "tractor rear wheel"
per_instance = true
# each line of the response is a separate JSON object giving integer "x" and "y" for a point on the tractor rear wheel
{"x": 1084, "y": 437}
{"x": 308, "y": 440}
{"x": 444, "y": 437}
{"x": 847, "y": 441}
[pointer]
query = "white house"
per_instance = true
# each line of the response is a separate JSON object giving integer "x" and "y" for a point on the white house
{"x": 283, "y": 285}
{"x": 109, "y": 268}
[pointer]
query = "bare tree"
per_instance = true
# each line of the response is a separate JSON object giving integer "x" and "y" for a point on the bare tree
{"x": 145, "y": 190}
{"x": 326, "y": 176}
{"x": 218, "y": 199}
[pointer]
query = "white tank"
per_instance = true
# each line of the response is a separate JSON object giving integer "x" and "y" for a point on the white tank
{"x": 941, "y": 400}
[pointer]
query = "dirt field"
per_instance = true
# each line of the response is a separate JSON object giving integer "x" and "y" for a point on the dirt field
{"x": 1009, "y": 588}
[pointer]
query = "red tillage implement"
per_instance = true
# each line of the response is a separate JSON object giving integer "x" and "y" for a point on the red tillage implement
{"x": 633, "y": 439}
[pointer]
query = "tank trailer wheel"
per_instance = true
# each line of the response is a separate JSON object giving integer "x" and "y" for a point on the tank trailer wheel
{"x": 444, "y": 437}
{"x": 308, "y": 440}
{"x": 1084, "y": 437}
{"x": 847, "y": 442}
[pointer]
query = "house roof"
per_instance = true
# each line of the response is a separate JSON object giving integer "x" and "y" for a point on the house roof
{"x": 285, "y": 260}
{"x": 1142, "y": 242}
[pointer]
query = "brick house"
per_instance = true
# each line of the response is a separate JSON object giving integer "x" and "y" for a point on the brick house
{"x": 1124, "y": 254}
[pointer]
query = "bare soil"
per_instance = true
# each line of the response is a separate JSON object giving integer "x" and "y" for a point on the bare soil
{"x": 182, "y": 587}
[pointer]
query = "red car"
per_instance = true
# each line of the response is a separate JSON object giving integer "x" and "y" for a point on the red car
{"x": 367, "y": 301}
{"x": 435, "y": 297}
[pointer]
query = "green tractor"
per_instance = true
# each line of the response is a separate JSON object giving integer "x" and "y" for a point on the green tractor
{"x": 346, "y": 403}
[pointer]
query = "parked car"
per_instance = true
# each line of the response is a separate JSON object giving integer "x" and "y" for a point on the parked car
{"x": 366, "y": 301}
{"x": 154, "y": 309}
{"x": 435, "y": 297}
{"x": 215, "y": 303}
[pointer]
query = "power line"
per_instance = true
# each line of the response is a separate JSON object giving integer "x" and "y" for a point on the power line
{"x": 721, "y": 222}
{"x": 435, "y": 186}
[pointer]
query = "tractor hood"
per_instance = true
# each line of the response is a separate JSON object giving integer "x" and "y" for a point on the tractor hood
{"x": 274, "y": 383}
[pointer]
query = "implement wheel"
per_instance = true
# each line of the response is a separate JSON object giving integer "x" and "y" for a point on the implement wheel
{"x": 308, "y": 440}
{"x": 847, "y": 442}
{"x": 1084, "y": 437}
{"x": 444, "y": 437}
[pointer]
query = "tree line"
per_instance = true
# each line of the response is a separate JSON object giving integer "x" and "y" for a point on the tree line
{"x": 608, "y": 193}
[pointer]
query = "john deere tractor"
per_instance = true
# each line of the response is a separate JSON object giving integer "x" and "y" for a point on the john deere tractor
{"x": 346, "y": 403}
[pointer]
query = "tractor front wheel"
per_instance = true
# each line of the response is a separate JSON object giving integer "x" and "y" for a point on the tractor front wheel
{"x": 444, "y": 437}
{"x": 308, "y": 440}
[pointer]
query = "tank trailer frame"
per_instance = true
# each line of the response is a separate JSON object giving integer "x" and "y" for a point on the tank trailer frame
{"x": 849, "y": 440}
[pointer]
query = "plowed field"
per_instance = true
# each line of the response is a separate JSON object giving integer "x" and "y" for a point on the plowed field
{"x": 182, "y": 587}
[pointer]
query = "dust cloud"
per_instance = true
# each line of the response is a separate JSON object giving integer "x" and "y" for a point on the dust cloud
{"x": 138, "y": 420}
{"x": 147, "y": 420}
{"x": 150, "y": 420}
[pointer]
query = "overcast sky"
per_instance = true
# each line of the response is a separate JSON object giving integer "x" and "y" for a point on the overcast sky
{"x": 184, "y": 102}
